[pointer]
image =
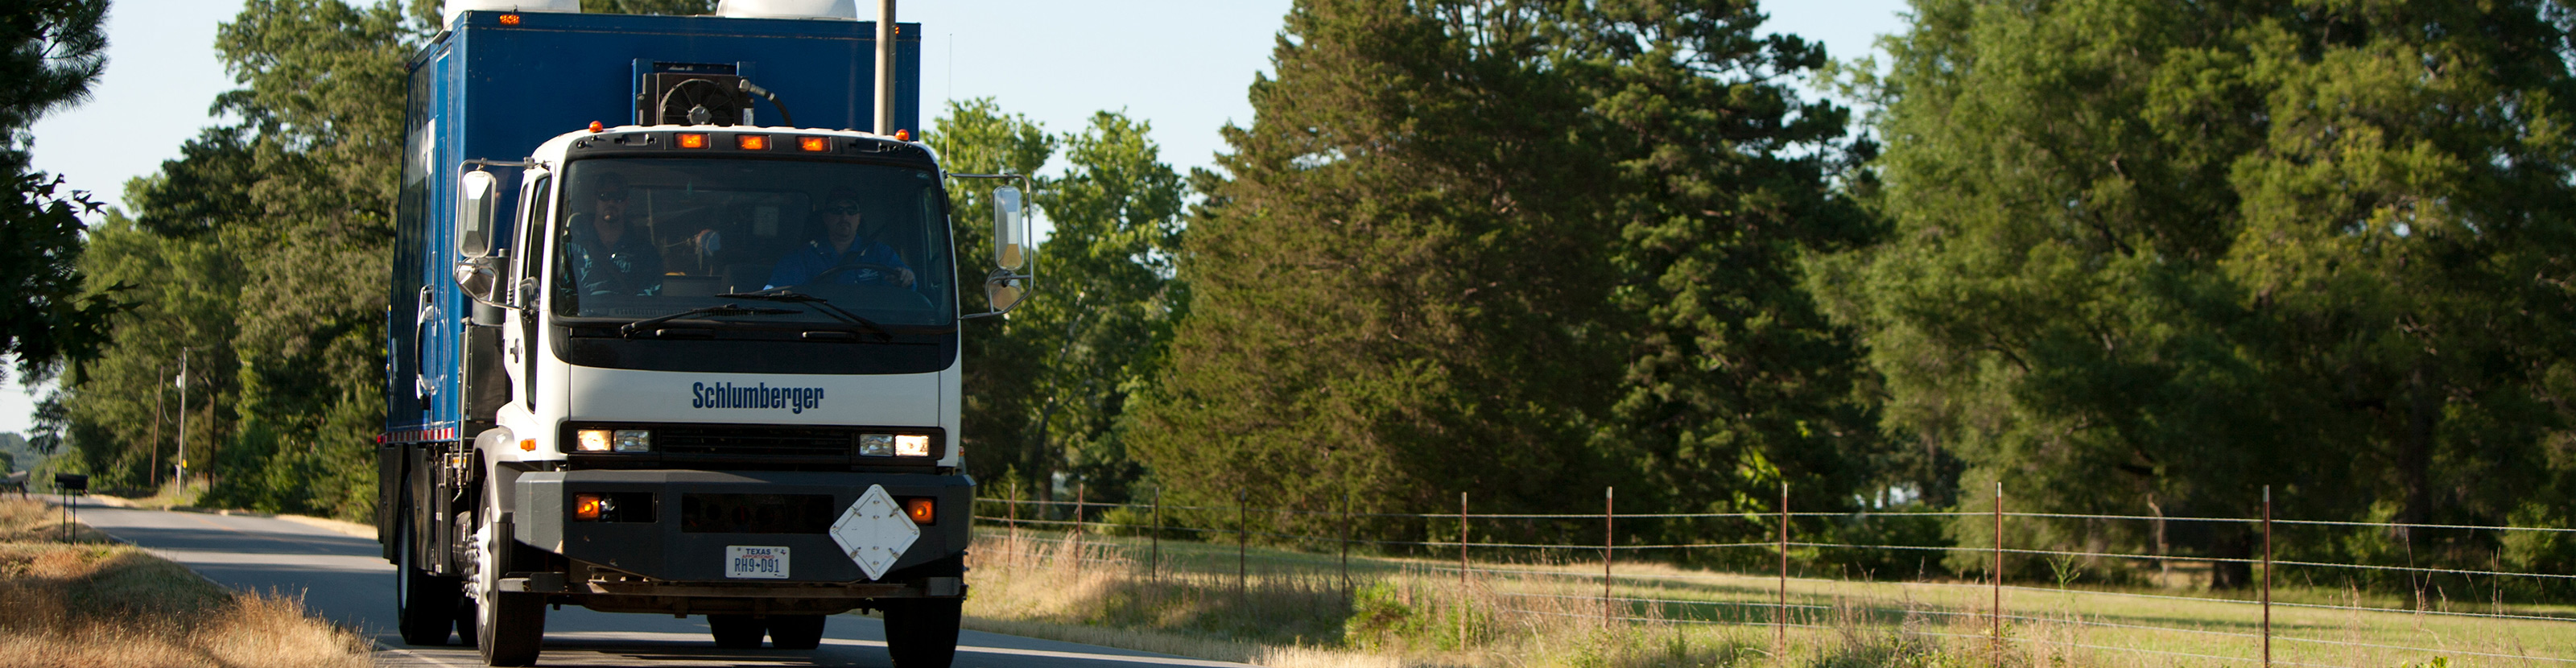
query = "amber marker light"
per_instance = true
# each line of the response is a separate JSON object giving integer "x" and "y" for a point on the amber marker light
{"x": 814, "y": 144}
{"x": 596, "y": 126}
{"x": 751, "y": 142}
{"x": 923, "y": 511}
{"x": 903, "y": 135}
{"x": 586, "y": 506}
{"x": 692, "y": 140}
{"x": 509, "y": 19}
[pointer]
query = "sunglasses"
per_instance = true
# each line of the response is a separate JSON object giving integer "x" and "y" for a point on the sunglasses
{"x": 845, "y": 209}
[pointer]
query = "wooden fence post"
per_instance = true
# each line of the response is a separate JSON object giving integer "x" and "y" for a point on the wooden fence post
{"x": 2267, "y": 576}
{"x": 1609, "y": 535}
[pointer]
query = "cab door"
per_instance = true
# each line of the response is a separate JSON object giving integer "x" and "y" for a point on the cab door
{"x": 521, "y": 330}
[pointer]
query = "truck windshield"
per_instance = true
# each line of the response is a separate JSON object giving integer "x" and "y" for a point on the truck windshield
{"x": 638, "y": 238}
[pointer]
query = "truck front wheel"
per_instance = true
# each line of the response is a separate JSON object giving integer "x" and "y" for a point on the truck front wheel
{"x": 922, "y": 633}
{"x": 509, "y": 626}
{"x": 795, "y": 631}
{"x": 736, "y": 631}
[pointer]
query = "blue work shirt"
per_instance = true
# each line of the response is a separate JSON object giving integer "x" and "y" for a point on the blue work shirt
{"x": 632, "y": 267}
{"x": 815, "y": 257}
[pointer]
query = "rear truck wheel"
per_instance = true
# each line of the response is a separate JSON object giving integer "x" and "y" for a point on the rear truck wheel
{"x": 922, "y": 633}
{"x": 509, "y": 626}
{"x": 425, "y": 605}
{"x": 736, "y": 631}
{"x": 795, "y": 631}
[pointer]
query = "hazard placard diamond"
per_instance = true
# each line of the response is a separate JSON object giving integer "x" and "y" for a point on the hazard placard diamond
{"x": 875, "y": 531}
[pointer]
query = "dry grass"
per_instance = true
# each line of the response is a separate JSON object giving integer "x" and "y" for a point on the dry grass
{"x": 1292, "y": 612}
{"x": 96, "y": 605}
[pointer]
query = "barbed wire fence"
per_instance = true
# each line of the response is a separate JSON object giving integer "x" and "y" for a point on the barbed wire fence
{"x": 2544, "y": 633}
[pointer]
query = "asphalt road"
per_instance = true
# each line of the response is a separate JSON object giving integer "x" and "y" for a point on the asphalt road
{"x": 343, "y": 579}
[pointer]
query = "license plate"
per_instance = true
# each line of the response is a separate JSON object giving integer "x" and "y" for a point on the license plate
{"x": 756, "y": 561}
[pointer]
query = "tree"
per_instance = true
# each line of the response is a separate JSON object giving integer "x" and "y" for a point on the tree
{"x": 1046, "y": 386}
{"x": 1110, "y": 299}
{"x": 125, "y": 412}
{"x": 51, "y": 51}
{"x": 1515, "y": 247}
{"x": 2147, "y": 257}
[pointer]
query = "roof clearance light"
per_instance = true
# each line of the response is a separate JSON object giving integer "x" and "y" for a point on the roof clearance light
{"x": 815, "y": 144}
{"x": 693, "y": 140}
{"x": 903, "y": 135}
{"x": 751, "y": 142}
{"x": 509, "y": 19}
{"x": 595, "y": 127}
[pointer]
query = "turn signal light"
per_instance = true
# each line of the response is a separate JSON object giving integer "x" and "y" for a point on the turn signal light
{"x": 815, "y": 144}
{"x": 509, "y": 19}
{"x": 588, "y": 506}
{"x": 922, "y": 511}
{"x": 752, "y": 142}
{"x": 693, "y": 140}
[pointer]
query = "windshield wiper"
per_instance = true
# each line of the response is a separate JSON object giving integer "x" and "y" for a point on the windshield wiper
{"x": 785, "y": 295}
{"x": 628, "y": 330}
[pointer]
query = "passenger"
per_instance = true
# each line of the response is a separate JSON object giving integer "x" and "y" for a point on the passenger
{"x": 848, "y": 245}
{"x": 605, "y": 257}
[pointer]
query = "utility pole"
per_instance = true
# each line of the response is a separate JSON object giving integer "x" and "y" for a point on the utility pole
{"x": 885, "y": 67}
{"x": 158, "y": 396}
{"x": 182, "y": 382}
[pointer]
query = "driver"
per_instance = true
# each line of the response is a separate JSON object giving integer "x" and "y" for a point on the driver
{"x": 848, "y": 244}
{"x": 605, "y": 257}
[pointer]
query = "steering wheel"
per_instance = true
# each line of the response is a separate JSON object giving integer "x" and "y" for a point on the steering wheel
{"x": 890, "y": 271}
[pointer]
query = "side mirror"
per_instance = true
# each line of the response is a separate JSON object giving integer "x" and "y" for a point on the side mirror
{"x": 477, "y": 203}
{"x": 1004, "y": 290}
{"x": 479, "y": 276}
{"x": 1010, "y": 229}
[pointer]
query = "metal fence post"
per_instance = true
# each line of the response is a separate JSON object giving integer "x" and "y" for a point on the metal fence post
{"x": 1462, "y": 552}
{"x": 1242, "y": 536}
{"x": 1780, "y": 615}
{"x": 1078, "y": 488}
{"x": 1154, "y": 563}
{"x": 2267, "y": 575}
{"x": 1998, "y": 611}
{"x": 1609, "y": 535}
{"x": 1346, "y": 546}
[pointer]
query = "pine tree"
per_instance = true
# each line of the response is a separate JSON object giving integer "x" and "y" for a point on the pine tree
{"x": 2148, "y": 257}
{"x": 1495, "y": 247}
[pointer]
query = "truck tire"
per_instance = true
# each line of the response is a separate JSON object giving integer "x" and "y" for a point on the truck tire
{"x": 509, "y": 626}
{"x": 736, "y": 631}
{"x": 426, "y": 605}
{"x": 795, "y": 631}
{"x": 922, "y": 633}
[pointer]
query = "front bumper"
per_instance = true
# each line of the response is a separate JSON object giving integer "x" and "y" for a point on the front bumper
{"x": 671, "y": 560}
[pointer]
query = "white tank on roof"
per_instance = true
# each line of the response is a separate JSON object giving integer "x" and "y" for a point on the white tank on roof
{"x": 455, "y": 7}
{"x": 836, "y": 10}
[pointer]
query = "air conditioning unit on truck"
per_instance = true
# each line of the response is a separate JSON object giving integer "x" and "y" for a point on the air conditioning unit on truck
{"x": 661, "y": 345}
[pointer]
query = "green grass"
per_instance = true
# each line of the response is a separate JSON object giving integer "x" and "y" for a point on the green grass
{"x": 1410, "y": 611}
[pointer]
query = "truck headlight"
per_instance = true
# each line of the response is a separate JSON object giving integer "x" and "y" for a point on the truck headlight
{"x": 592, "y": 440}
{"x": 634, "y": 440}
{"x": 912, "y": 445}
{"x": 876, "y": 445}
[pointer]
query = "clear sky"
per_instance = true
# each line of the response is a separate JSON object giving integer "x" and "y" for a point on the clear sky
{"x": 1180, "y": 64}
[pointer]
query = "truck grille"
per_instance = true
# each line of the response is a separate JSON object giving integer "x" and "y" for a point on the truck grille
{"x": 756, "y": 442}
